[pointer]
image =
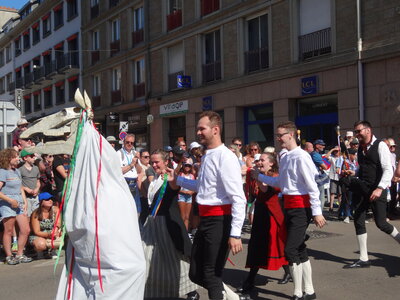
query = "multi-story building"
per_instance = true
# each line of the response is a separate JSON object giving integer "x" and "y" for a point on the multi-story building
{"x": 317, "y": 62}
{"x": 43, "y": 50}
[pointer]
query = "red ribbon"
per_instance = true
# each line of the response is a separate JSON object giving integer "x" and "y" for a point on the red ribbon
{"x": 71, "y": 266}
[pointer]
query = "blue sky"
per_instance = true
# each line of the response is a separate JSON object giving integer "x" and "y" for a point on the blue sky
{"x": 13, "y": 3}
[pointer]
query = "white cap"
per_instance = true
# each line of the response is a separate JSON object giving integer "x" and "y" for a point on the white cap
{"x": 269, "y": 149}
{"x": 257, "y": 156}
{"x": 349, "y": 133}
{"x": 194, "y": 145}
{"x": 392, "y": 142}
{"x": 110, "y": 138}
{"x": 22, "y": 122}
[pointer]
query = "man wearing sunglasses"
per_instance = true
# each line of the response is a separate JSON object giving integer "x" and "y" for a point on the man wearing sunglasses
{"x": 130, "y": 167}
{"x": 370, "y": 190}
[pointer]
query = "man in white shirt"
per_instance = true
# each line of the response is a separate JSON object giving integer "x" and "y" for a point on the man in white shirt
{"x": 130, "y": 167}
{"x": 296, "y": 180}
{"x": 375, "y": 174}
{"x": 222, "y": 203}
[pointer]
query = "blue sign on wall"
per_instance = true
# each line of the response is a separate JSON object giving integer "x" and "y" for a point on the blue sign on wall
{"x": 184, "y": 81}
{"x": 309, "y": 86}
{"x": 207, "y": 103}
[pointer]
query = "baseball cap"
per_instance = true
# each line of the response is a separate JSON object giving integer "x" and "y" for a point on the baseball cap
{"x": 168, "y": 148}
{"x": 257, "y": 156}
{"x": 352, "y": 151}
{"x": 194, "y": 145}
{"x": 45, "y": 196}
{"x": 25, "y": 153}
{"x": 178, "y": 150}
{"x": 189, "y": 162}
{"x": 110, "y": 139}
{"x": 392, "y": 142}
{"x": 349, "y": 133}
{"x": 319, "y": 142}
{"x": 22, "y": 122}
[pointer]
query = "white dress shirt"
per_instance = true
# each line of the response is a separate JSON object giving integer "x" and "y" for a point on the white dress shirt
{"x": 297, "y": 174}
{"x": 126, "y": 159}
{"x": 219, "y": 182}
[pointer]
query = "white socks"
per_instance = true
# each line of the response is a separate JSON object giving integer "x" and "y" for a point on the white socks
{"x": 362, "y": 244}
{"x": 395, "y": 234}
{"x": 307, "y": 277}
{"x": 229, "y": 294}
{"x": 297, "y": 274}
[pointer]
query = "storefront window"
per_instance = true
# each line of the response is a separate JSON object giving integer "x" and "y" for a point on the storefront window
{"x": 259, "y": 125}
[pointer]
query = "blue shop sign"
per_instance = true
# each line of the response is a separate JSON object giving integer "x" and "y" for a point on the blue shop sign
{"x": 309, "y": 86}
{"x": 184, "y": 81}
{"x": 207, "y": 103}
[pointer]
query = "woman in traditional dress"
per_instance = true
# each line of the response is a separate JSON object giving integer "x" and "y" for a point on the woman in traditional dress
{"x": 268, "y": 233}
{"x": 165, "y": 239}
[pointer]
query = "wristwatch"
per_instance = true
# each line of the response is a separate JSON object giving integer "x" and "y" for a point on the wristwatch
{"x": 235, "y": 237}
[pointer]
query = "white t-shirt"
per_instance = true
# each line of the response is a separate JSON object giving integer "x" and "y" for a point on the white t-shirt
{"x": 126, "y": 159}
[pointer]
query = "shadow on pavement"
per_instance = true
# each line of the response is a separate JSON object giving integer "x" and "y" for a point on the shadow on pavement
{"x": 389, "y": 262}
{"x": 320, "y": 255}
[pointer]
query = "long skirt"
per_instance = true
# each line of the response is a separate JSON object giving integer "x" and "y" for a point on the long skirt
{"x": 167, "y": 270}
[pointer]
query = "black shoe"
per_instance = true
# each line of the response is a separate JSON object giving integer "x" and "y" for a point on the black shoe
{"x": 244, "y": 297}
{"x": 297, "y": 298}
{"x": 246, "y": 287}
{"x": 309, "y": 297}
{"x": 286, "y": 278}
{"x": 193, "y": 296}
{"x": 358, "y": 264}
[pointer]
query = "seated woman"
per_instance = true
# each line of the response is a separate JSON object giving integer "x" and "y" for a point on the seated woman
{"x": 42, "y": 223}
{"x": 165, "y": 239}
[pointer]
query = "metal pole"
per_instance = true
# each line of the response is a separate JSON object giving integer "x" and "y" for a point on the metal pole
{"x": 360, "y": 65}
{"x": 4, "y": 125}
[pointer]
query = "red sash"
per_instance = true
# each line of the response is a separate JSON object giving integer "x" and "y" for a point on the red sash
{"x": 296, "y": 201}
{"x": 214, "y": 210}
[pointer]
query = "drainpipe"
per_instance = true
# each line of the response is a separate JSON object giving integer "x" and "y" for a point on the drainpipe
{"x": 360, "y": 65}
{"x": 148, "y": 65}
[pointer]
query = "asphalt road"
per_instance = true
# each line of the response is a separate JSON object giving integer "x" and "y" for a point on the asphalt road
{"x": 329, "y": 248}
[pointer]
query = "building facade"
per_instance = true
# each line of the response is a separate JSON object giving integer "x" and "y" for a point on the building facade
{"x": 42, "y": 53}
{"x": 256, "y": 62}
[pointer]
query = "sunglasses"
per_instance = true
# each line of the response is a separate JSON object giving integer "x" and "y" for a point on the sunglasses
{"x": 254, "y": 149}
{"x": 239, "y": 145}
{"x": 145, "y": 156}
{"x": 127, "y": 142}
{"x": 357, "y": 131}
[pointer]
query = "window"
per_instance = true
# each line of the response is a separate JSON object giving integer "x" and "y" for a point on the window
{"x": 60, "y": 92}
{"x": 96, "y": 86}
{"x": 35, "y": 33}
{"x": 256, "y": 56}
{"x": 1, "y": 58}
{"x": 94, "y": 8}
{"x": 209, "y": 6}
{"x": 47, "y": 96}
{"x": 116, "y": 79}
{"x": 8, "y": 82}
{"x": 314, "y": 33}
{"x": 17, "y": 46}
{"x": 8, "y": 53}
{"x": 212, "y": 56}
{"x": 94, "y": 2}
{"x": 174, "y": 17}
{"x": 72, "y": 9}
{"x": 73, "y": 85}
{"x": 26, "y": 40}
{"x": 46, "y": 22}
{"x": 175, "y": 65}
{"x": 37, "y": 103}
{"x": 28, "y": 104}
{"x": 113, "y": 3}
{"x": 138, "y": 25}
{"x": 2, "y": 85}
{"x": 115, "y": 30}
{"x": 95, "y": 47}
{"x": 58, "y": 16}
{"x": 139, "y": 88}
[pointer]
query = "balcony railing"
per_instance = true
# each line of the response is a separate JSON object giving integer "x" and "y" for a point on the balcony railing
{"x": 139, "y": 90}
{"x": 209, "y": 6}
{"x": 212, "y": 71}
{"x": 60, "y": 62}
{"x": 28, "y": 79}
{"x": 96, "y": 101}
{"x": 28, "y": 108}
{"x": 11, "y": 86}
{"x": 38, "y": 74}
{"x": 114, "y": 47}
{"x": 71, "y": 59}
{"x": 18, "y": 52}
{"x": 95, "y": 56}
{"x": 94, "y": 11}
{"x": 256, "y": 59}
{"x": 137, "y": 37}
{"x": 113, "y": 3}
{"x": 115, "y": 96}
{"x": 173, "y": 80}
{"x": 174, "y": 20}
{"x": 50, "y": 68}
{"x": 315, "y": 44}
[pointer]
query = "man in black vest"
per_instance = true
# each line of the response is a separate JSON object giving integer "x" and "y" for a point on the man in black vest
{"x": 370, "y": 189}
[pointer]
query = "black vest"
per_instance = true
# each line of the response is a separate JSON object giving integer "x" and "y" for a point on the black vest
{"x": 370, "y": 165}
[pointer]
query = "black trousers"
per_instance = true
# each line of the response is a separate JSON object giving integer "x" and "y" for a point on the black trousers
{"x": 297, "y": 220}
{"x": 209, "y": 254}
{"x": 362, "y": 203}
